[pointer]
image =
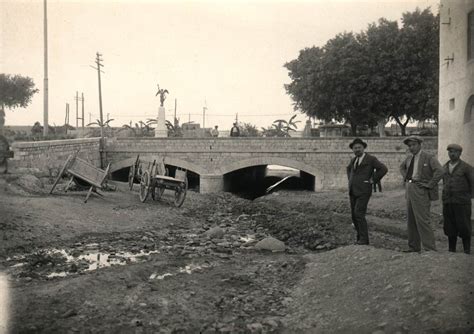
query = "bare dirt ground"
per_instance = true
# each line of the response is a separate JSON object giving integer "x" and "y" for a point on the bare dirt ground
{"x": 117, "y": 265}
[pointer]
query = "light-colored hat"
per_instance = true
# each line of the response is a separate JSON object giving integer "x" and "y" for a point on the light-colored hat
{"x": 454, "y": 147}
{"x": 412, "y": 138}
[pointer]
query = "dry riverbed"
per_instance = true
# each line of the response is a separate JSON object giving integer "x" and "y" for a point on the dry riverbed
{"x": 116, "y": 265}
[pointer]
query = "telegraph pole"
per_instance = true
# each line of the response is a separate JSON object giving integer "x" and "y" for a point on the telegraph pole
{"x": 77, "y": 98}
{"x": 175, "y": 108}
{"x": 66, "y": 119}
{"x": 98, "y": 62}
{"x": 82, "y": 118}
{"x": 204, "y": 114}
{"x": 45, "y": 92}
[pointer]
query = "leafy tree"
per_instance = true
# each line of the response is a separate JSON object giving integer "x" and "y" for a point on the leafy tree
{"x": 419, "y": 68}
{"x": 174, "y": 130}
{"x": 249, "y": 130}
{"x": 102, "y": 125}
{"x": 15, "y": 91}
{"x": 141, "y": 129}
{"x": 362, "y": 79}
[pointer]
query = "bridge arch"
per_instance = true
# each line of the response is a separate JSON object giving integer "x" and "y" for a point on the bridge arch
{"x": 258, "y": 161}
{"x": 115, "y": 166}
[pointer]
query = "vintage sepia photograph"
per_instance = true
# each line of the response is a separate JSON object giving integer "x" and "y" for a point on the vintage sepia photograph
{"x": 236, "y": 166}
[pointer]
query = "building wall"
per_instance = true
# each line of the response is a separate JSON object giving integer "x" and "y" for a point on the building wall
{"x": 325, "y": 158}
{"x": 45, "y": 158}
{"x": 456, "y": 80}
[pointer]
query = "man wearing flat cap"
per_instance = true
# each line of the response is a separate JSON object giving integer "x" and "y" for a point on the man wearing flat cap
{"x": 421, "y": 173}
{"x": 458, "y": 189}
{"x": 363, "y": 171}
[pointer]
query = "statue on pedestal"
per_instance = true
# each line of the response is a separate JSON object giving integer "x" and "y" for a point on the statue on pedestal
{"x": 162, "y": 92}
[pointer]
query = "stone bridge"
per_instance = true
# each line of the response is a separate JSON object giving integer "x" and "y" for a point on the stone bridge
{"x": 212, "y": 158}
{"x": 325, "y": 159}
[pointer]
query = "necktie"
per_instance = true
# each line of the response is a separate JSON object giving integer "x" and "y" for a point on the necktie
{"x": 356, "y": 163}
{"x": 410, "y": 169}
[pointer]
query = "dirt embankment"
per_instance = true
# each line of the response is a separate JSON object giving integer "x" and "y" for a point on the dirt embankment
{"x": 116, "y": 265}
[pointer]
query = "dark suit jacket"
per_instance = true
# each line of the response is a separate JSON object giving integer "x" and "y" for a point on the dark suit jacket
{"x": 369, "y": 170}
{"x": 458, "y": 186}
{"x": 430, "y": 172}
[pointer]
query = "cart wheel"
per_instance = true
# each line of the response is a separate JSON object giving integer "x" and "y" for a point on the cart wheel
{"x": 144, "y": 186}
{"x": 157, "y": 193}
{"x": 180, "y": 193}
{"x": 131, "y": 177}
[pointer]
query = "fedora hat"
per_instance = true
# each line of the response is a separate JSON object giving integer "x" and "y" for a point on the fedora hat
{"x": 358, "y": 141}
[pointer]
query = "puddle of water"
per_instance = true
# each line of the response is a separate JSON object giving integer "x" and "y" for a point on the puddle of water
{"x": 160, "y": 277}
{"x": 189, "y": 269}
{"x": 59, "y": 274}
{"x": 100, "y": 259}
{"x": 247, "y": 239}
{"x": 94, "y": 258}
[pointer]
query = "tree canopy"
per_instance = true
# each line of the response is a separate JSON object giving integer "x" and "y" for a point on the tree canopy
{"x": 385, "y": 72}
{"x": 15, "y": 91}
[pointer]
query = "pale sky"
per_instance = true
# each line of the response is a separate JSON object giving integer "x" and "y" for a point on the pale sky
{"x": 227, "y": 53}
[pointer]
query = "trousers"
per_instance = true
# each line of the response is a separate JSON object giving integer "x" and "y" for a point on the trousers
{"x": 419, "y": 227}
{"x": 457, "y": 220}
{"x": 358, "y": 211}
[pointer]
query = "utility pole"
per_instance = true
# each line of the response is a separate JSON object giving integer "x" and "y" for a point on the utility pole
{"x": 66, "y": 119}
{"x": 204, "y": 114}
{"x": 98, "y": 62}
{"x": 82, "y": 118}
{"x": 77, "y": 98}
{"x": 45, "y": 92}
{"x": 175, "y": 108}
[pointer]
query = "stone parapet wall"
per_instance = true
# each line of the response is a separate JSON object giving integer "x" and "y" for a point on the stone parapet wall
{"x": 45, "y": 158}
{"x": 325, "y": 158}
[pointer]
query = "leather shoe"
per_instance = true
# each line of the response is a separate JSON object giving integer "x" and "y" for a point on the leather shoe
{"x": 411, "y": 251}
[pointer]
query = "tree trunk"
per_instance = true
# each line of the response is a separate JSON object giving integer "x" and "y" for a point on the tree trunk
{"x": 381, "y": 127}
{"x": 402, "y": 125}
{"x": 2, "y": 119}
{"x": 354, "y": 129}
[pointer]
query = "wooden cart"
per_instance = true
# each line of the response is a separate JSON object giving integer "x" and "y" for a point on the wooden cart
{"x": 84, "y": 171}
{"x": 135, "y": 173}
{"x": 155, "y": 180}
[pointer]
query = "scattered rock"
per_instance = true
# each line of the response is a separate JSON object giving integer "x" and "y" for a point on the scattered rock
{"x": 271, "y": 244}
{"x": 30, "y": 183}
{"x": 215, "y": 232}
{"x": 69, "y": 313}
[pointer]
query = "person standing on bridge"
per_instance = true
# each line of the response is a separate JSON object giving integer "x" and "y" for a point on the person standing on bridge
{"x": 458, "y": 189}
{"x": 363, "y": 171}
{"x": 421, "y": 173}
{"x": 235, "y": 131}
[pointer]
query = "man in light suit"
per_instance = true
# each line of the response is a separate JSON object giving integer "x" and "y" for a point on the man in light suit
{"x": 421, "y": 173}
{"x": 363, "y": 171}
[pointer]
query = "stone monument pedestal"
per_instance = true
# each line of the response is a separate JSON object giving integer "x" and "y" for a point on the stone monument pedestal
{"x": 161, "y": 130}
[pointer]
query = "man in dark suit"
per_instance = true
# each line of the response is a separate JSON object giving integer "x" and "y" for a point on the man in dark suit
{"x": 458, "y": 189}
{"x": 421, "y": 172}
{"x": 363, "y": 171}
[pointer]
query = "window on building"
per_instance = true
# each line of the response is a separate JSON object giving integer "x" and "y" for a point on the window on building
{"x": 451, "y": 104}
{"x": 469, "y": 112}
{"x": 470, "y": 35}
